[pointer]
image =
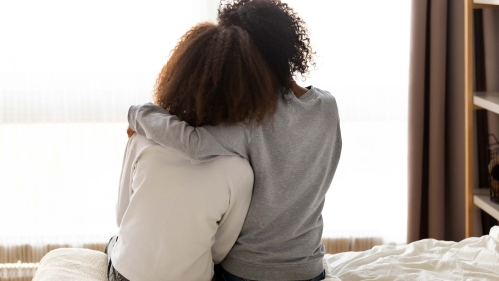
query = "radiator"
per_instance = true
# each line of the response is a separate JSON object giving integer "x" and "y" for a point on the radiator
{"x": 33, "y": 254}
{"x": 17, "y": 271}
{"x": 339, "y": 245}
{"x": 19, "y": 262}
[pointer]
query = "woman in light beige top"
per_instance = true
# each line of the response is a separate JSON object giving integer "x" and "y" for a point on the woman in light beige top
{"x": 178, "y": 217}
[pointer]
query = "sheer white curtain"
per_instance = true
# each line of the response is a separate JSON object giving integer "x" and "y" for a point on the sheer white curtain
{"x": 70, "y": 69}
{"x": 363, "y": 60}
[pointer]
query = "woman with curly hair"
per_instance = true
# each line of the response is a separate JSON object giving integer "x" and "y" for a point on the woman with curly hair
{"x": 175, "y": 217}
{"x": 294, "y": 152}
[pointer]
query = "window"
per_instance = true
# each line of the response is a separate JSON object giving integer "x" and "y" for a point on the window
{"x": 363, "y": 60}
{"x": 70, "y": 70}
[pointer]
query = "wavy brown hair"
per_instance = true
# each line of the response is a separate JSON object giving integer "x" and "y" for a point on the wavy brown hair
{"x": 216, "y": 75}
{"x": 278, "y": 32}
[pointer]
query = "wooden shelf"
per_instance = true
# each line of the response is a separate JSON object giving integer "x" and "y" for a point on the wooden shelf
{"x": 487, "y": 100}
{"x": 484, "y": 203}
{"x": 486, "y": 2}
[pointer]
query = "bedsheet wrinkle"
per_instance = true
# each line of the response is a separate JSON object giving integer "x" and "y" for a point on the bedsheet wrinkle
{"x": 428, "y": 259}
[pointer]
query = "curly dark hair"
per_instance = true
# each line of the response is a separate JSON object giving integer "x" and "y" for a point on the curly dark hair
{"x": 278, "y": 32}
{"x": 216, "y": 75}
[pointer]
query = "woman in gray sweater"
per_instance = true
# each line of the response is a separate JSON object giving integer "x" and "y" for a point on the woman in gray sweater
{"x": 294, "y": 153}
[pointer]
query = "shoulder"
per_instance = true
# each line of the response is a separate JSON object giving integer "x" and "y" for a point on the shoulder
{"x": 142, "y": 148}
{"x": 236, "y": 169}
{"x": 140, "y": 141}
{"x": 234, "y": 164}
{"x": 323, "y": 94}
{"x": 327, "y": 99}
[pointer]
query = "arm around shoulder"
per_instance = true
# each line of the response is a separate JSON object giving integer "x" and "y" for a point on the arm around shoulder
{"x": 167, "y": 130}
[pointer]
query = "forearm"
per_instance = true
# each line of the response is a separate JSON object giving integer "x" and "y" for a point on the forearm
{"x": 157, "y": 124}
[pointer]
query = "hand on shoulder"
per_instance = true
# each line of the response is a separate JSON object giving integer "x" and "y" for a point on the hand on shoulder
{"x": 129, "y": 132}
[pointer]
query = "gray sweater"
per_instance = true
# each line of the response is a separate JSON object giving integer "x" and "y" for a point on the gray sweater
{"x": 294, "y": 156}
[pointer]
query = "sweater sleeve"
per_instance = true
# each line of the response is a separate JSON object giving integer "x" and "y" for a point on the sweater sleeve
{"x": 232, "y": 221}
{"x": 124, "y": 191}
{"x": 195, "y": 143}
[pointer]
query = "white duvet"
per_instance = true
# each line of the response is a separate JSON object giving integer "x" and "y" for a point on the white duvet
{"x": 428, "y": 259}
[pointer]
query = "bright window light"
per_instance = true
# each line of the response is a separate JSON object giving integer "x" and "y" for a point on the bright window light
{"x": 69, "y": 70}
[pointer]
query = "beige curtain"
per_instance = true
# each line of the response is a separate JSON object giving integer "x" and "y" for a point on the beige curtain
{"x": 436, "y": 121}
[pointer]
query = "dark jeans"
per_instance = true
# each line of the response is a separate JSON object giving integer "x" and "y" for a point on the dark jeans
{"x": 222, "y": 275}
{"x": 112, "y": 274}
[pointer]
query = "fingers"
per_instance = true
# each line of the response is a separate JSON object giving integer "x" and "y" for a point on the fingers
{"x": 129, "y": 132}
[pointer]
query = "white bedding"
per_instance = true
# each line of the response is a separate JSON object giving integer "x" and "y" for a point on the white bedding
{"x": 429, "y": 259}
{"x": 70, "y": 264}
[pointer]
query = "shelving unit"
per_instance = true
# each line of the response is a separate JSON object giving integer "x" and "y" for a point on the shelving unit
{"x": 487, "y": 100}
{"x": 483, "y": 202}
{"x": 475, "y": 100}
{"x": 486, "y": 2}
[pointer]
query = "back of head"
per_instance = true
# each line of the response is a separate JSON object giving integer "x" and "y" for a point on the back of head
{"x": 278, "y": 32}
{"x": 216, "y": 75}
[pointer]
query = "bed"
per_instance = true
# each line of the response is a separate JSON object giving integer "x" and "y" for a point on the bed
{"x": 474, "y": 258}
